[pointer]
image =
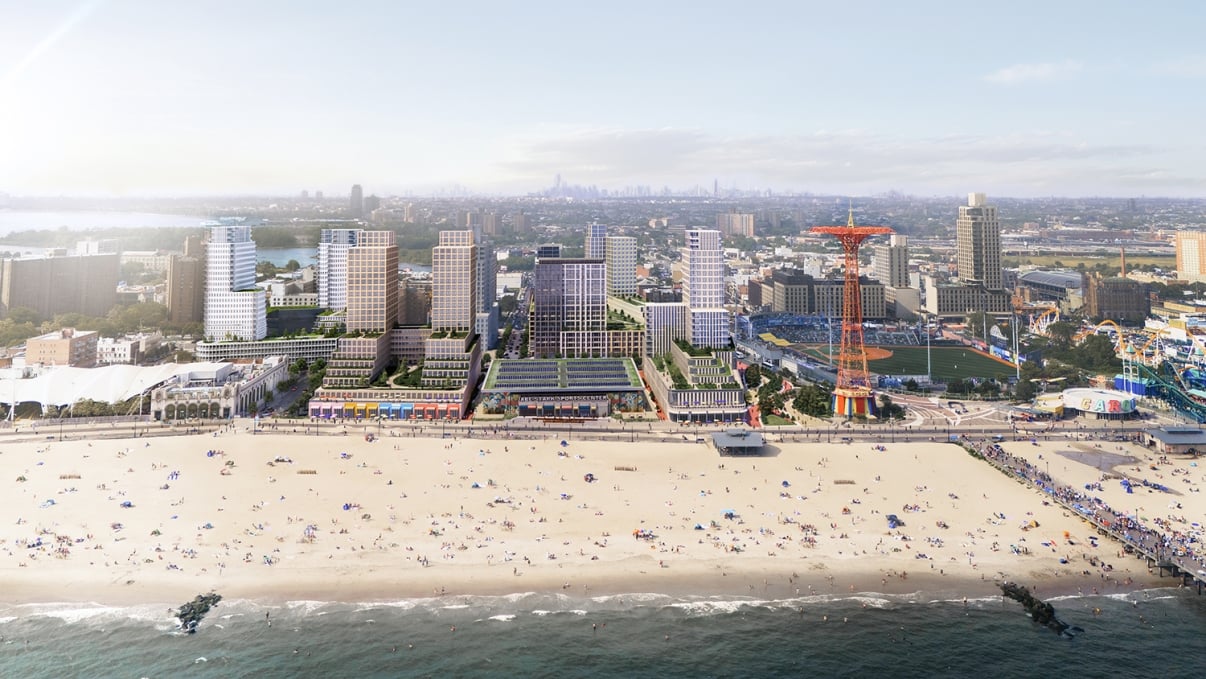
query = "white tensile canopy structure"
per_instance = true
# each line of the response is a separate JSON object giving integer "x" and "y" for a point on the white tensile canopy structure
{"x": 63, "y": 386}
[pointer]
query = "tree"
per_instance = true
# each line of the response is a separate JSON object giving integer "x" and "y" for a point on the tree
{"x": 1025, "y": 390}
{"x": 1061, "y": 333}
{"x": 132, "y": 271}
{"x": 958, "y": 387}
{"x": 988, "y": 388}
{"x": 292, "y": 265}
{"x": 753, "y": 376}
{"x": 814, "y": 400}
{"x": 20, "y": 314}
{"x": 1096, "y": 352}
{"x": 889, "y": 410}
{"x": 977, "y": 321}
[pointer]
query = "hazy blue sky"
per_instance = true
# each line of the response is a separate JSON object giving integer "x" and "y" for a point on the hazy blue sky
{"x": 136, "y": 97}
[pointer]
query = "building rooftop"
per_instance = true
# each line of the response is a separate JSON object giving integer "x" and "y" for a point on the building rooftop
{"x": 567, "y": 374}
{"x": 1178, "y": 437}
{"x": 738, "y": 441}
{"x": 111, "y": 384}
{"x": 1061, "y": 279}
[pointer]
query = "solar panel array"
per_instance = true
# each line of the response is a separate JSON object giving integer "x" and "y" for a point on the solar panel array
{"x": 551, "y": 375}
{"x": 602, "y": 374}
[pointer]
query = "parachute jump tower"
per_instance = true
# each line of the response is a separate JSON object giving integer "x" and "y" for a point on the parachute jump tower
{"x": 852, "y": 394}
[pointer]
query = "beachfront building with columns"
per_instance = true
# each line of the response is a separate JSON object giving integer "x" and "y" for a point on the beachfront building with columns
{"x": 218, "y": 390}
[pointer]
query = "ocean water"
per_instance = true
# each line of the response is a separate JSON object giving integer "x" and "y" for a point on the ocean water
{"x": 1152, "y": 633}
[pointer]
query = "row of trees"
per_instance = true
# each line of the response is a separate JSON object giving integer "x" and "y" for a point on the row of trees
{"x": 22, "y": 323}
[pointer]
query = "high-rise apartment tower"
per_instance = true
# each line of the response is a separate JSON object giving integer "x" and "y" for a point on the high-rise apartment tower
{"x": 372, "y": 282}
{"x": 234, "y": 307}
{"x": 892, "y": 262}
{"x": 596, "y": 236}
{"x": 332, "y": 270}
{"x": 978, "y": 240}
{"x": 703, "y": 289}
{"x": 454, "y": 282}
{"x": 621, "y": 258}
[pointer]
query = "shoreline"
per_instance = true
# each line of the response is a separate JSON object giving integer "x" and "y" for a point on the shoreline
{"x": 917, "y": 590}
{"x": 501, "y": 517}
{"x": 575, "y": 600}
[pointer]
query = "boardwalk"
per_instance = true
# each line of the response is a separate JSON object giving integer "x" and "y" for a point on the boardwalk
{"x": 1179, "y": 553}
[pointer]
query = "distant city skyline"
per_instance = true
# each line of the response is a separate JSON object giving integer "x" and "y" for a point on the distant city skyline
{"x": 141, "y": 98}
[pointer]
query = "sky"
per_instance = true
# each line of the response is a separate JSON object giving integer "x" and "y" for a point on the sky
{"x": 272, "y": 97}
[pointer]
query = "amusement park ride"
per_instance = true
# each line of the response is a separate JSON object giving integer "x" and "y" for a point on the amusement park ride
{"x": 852, "y": 394}
{"x": 1156, "y": 365}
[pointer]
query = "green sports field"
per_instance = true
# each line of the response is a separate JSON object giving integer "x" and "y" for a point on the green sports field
{"x": 948, "y": 363}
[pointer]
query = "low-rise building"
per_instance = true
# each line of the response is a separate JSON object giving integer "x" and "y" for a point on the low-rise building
{"x": 118, "y": 350}
{"x": 1117, "y": 299}
{"x": 1170, "y": 441}
{"x": 71, "y": 347}
{"x": 309, "y": 348}
{"x": 697, "y": 385}
{"x": 218, "y": 392}
{"x": 950, "y": 300}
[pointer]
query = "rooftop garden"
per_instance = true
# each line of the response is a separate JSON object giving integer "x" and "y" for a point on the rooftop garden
{"x": 693, "y": 351}
{"x": 279, "y": 308}
{"x": 621, "y": 321}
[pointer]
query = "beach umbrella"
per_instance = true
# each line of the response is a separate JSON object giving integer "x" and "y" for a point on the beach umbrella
{"x": 564, "y": 442}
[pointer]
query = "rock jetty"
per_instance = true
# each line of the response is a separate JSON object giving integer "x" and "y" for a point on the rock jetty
{"x": 190, "y": 614}
{"x": 1042, "y": 612}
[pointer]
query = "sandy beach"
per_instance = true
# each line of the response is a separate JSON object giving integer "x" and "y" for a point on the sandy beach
{"x": 288, "y": 517}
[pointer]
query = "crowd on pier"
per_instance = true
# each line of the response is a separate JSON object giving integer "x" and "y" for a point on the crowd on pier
{"x": 1182, "y": 547}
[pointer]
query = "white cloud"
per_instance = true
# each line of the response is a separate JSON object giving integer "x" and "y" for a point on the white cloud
{"x": 1023, "y": 73}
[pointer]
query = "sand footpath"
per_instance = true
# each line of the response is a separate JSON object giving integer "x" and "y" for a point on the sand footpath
{"x": 288, "y": 517}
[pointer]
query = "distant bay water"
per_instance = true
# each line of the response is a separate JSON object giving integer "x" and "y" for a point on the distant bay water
{"x": 24, "y": 220}
{"x": 307, "y": 256}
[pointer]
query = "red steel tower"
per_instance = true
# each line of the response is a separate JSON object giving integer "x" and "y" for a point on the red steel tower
{"x": 852, "y": 394}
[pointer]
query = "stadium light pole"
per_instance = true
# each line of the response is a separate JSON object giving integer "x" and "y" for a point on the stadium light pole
{"x": 929, "y": 371}
{"x": 1017, "y": 359}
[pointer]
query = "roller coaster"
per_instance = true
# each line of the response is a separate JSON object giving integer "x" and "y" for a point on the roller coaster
{"x": 1039, "y": 315}
{"x": 1158, "y": 366}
